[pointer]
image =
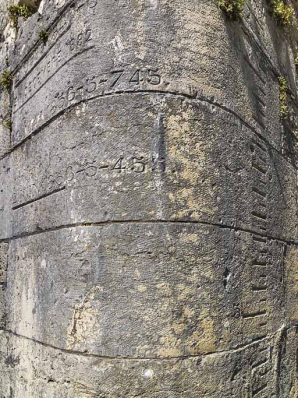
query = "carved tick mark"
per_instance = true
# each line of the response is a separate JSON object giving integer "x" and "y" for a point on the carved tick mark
{"x": 227, "y": 276}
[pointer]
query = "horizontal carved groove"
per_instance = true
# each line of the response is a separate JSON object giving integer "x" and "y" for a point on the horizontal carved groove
{"x": 260, "y": 363}
{"x": 239, "y": 348}
{"x": 50, "y": 77}
{"x": 38, "y": 198}
{"x": 260, "y": 264}
{"x": 48, "y": 29}
{"x": 261, "y": 238}
{"x": 259, "y": 145}
{"x": 258, "y": 98}
{"x": 260, "y": 122}
{"x": 197, "y": 96}
{"x": 258, "y": 390}
{"x": 259, "y": 168}
{"x": 254, "y": 69}
{"x": 259, "y": 288}
{"x": 42, "y": 57}
{"x": 262, "y": 113}
{"x": 261, "y": 338}
{"x": 262, "y": 159}
{"x": 254, "y": 314}
{"x": 259, "y": 192}
{"x": 259, "y": 215}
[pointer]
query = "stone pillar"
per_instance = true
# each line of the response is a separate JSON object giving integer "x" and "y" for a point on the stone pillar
{"x": 148, "y": 214}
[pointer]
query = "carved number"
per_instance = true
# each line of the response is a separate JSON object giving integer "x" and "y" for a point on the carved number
{"x": 118, "y": 74}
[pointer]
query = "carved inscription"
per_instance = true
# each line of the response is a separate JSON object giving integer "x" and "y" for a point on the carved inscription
{"x": 79, "y": 173}
{"x": 105, "y": 83}
{"x": 50, "y": 65}
{"x": 119, "y": 80}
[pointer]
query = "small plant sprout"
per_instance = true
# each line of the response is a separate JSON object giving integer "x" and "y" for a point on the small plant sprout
{"x": 43, "y": 35}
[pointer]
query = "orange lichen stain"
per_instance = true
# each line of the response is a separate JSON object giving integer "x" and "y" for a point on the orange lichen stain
{"x": 84, "y": 324}
{"x": 165, "y": 289}
{"x": 189, "y": 152}
{"x": 187, "y": 293}
{"x": 190, "y": 334}
{"x": 170, "y": 345}
{"x": 188, "y": 312}
{"x": 203, "y": 340}
{"x": 189, "y": 238}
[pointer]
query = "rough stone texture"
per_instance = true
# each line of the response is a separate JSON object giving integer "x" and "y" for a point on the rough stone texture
{"x": 148, "y": 203}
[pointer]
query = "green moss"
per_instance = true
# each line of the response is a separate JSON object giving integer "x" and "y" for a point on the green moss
{"x": 43, "y": 35}
{"x": 8, "y": 124}
{"x": 6, "y": 79}
{"x": 282, "y": 12}
{"x": 232, "y": 8}
{"x": 19, "y": 10}
{"x": 284, "y": 91}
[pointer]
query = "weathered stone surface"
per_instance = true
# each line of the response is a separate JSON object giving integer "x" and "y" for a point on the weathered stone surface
{"x": 32, "y": 369}
{"x": 158, "y": 157}
{"x": 6, "y": 192}
{"x": 146, "y": 290}
{"x": 148, "y": 203}
{"x": 172, "y": 48}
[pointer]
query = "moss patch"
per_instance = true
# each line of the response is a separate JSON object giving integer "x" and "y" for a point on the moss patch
{"x": 6, "y": 79}
{"x": 232, "y": 8}
{"x": 19, "y": 10}
{"x": 284, "y": 91}
{"x": 43, "y": 35}
{"x": 8, "y": 124}
{"x": 283, "y": 13}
